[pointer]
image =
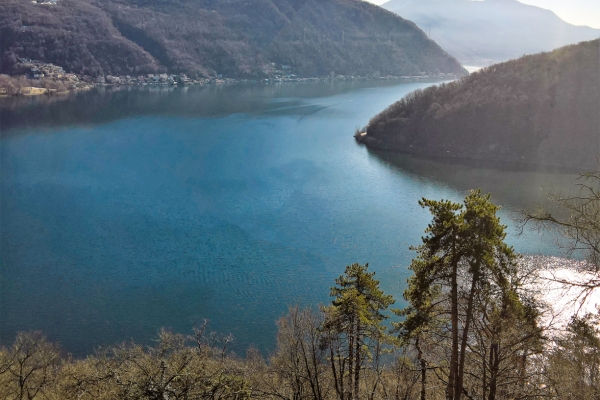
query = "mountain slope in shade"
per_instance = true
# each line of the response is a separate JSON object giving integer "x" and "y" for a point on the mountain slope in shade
{"x": 489, "y": 31}
{"x": 541, "y": 110}
{"x": 75, "y": 34}
{"x": 235, "y": 38}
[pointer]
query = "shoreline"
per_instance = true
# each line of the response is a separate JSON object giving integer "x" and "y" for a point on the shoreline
{"x": 83, "y": 83}
{"x": 24, "y": 107}
{"x": 374, "y": 146}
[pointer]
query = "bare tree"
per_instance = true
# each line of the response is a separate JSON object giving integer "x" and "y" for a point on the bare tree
{"x": 575, "y": 216}
{"x": 28, "y": 368}
{"x": 299, "y": 360}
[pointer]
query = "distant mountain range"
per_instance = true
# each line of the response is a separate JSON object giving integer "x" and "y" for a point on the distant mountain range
{"x": 489, "y": 31}
{"x": 206, "y": 38}
{"x": 541, "y": 110}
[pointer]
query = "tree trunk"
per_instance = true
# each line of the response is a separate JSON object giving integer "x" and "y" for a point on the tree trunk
{"x": 465, "y": 335}
{"x": 450, "y": 390}
{"x": 523, "y": 369}
{"x": 423, "y": 366}
{"x": 494, "y": 367}
{"x": 351, "y": 338}
{"x": 357, "y": 362}
{"x": 316, "y": 363}
{"x": 313, "y": 379}
{"x": 339, "y": 388}
{"x": 484, "y": 372}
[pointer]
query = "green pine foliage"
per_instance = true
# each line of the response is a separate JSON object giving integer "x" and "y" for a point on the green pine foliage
{"x": 354, "y": 327}
{"x": 465, "y": 300}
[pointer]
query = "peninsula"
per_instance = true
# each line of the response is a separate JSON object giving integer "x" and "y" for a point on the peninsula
{"x": 539, "y": 110}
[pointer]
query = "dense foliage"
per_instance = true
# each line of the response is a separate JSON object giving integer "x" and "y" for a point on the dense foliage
{"x": 234, "y": 38}
{"x": 540, "y": 109}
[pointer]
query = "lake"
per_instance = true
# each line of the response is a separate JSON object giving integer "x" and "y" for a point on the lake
{"x": 124, "y": 211}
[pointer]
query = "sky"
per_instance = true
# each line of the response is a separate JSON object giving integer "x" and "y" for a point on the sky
{"x": 576, "y": 12}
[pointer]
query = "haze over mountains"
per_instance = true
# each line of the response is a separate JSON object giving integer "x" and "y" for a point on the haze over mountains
{"x": 490, "y": 31}
{"x": 233, "y": 38}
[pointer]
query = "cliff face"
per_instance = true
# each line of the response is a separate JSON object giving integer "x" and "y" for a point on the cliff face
{"x": 542, "y": 109}
{"x": 490, "y": 31}
{"x": 235, "y": 38}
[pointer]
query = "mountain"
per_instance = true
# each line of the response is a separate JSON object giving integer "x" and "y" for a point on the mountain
{"x": 235, "y": 38}
{"x": 489, "y": 31}
{"x": 541, "y": 110}
{"x": 73, "y": 34}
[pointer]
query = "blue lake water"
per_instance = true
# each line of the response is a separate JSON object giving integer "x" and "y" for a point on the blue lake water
{"x": 126, "y": 211}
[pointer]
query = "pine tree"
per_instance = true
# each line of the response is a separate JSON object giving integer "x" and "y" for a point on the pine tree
{"x": 462, "y": 252}
{"x": 354, "y": 325}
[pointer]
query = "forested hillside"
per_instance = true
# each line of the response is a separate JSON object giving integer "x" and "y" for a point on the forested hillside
{"x": 233, "y": 38}
{"x": 542, "y": 109}
{"x": 490, "y": 31}
{"x": 74, "y": 34}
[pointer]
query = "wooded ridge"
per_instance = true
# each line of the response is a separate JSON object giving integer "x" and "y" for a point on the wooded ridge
{"x": 207, "y": 38}
{"x": 538, "y": 110}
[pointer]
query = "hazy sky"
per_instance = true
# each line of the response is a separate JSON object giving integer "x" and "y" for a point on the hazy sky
{"x": 577, "y": 12}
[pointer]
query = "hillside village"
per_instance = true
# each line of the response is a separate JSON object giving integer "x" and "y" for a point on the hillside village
{"x": 122, "y": 41}
{"x": 37, "y": 77}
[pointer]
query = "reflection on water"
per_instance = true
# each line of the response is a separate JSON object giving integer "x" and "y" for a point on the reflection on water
{"x": 516, "y": 189}
{"x": 126, "y": 211}
{"x": 104, "y": 104}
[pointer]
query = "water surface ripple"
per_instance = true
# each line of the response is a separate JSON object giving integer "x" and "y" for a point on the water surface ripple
{"x": 124, "y": 212}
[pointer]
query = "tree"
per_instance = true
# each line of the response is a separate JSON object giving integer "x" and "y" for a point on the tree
{"x": 576, "y": 217}
{"x": 505, "y": 338}
{"x": 27, "y": 369}
{"x": 299, "y": 360}
{"x": 462, "y": 253}
{"x": 573, "y": 365}
{"x": 353, "y": 326}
